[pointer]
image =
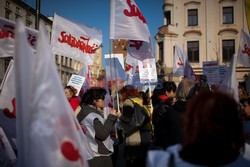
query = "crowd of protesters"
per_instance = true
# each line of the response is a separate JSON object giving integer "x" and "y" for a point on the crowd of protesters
{"x": 185, "y": 125}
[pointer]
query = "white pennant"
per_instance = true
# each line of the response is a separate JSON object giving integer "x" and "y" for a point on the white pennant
{"x": 181, "y": 65}
{"x": 179, "y": 61}
{"x": 48, "y": 132}
{"x": 127, "y": 21}
{"x": 244, "y": 49}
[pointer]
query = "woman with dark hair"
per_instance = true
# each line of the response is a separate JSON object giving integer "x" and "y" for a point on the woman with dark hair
{"x": 135, "y": 154}
{"x": 163, "y": 98}
{"x": 213, "y": 134}
{"x": 97, "y": 129}
{"x": 70, "y": 92}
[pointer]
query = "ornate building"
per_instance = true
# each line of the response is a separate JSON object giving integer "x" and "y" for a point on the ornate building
{"x": 208, "y": 30}
{"x": 13, "y": 9}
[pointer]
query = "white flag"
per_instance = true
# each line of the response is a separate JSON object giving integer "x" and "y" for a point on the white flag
{"x": 7, "y": 37}
{"x": 8, "y": 102}
{"x": 132, "y": 70}
{"x": 181, "y": 65}
{"x": 189, "y": 72}
{"x": 127, "y": 21}
{"x": 140, "y": 50}
{"x": 179, "y": 61}
{"x": 230, "y": 84}
{"x": 74, "y": 40}
{"x": 131, "y": 63}
{"x": 48, "y": 133}
{"x": 244, "y": 49}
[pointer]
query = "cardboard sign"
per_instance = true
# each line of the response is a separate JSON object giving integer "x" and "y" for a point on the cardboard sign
{"x": 147, "y": 70}
{"x": 76, "y": 81}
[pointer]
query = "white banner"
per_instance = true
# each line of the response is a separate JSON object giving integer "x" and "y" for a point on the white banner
{"x": 7, "y": 37}
{"x": 244, "y": 49}
{"x": 74, "y": 40}
{"x": 76, "y": 81}
{"x": 127, "y": 21}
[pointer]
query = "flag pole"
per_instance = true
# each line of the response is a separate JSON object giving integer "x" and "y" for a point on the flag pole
{"x": 112, "y": 12}
{"x": 38, "y": 4}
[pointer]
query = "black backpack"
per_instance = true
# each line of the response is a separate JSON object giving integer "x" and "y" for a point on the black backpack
{"x": 140, "y": 117}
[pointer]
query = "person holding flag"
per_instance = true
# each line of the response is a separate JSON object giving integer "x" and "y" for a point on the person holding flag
{"x": 96, "y": 128}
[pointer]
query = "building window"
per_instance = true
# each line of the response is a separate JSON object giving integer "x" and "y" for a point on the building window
{"x": 17, "y": 9}
{"x": 193, "y": 51}
{"x": 192, "y": 17}
{"x": 70, "y": 62}
{"x": 228, "y": 15}
{"x": 7, "y": 14}
{"x": 7, "y": 3}
{"x": 17, "y": 16}
{"x": 28, "y": 16}
{"x": 56, "y": 58}
{"x": 161, "y": 51}
{"x": 62, "y": 60}
{"x": 28, "y": 23}
{"x": 168, "y": 17}
{"x": 66, "y": 61}
{"x": 228, "y": 49}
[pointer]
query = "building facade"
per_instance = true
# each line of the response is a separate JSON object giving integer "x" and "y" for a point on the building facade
{"x": 208, "y": 30}
{"x": 13, "y": 9}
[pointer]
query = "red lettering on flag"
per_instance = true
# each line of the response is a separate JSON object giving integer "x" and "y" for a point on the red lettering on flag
{"x": 246, "y": 50}
{"x": 7, "y": 112}
{"x": 134, "y": 11}
{"x": 81, "y": 43}
{"x": 180, "y": 62}
{"x": 8, "y": 32}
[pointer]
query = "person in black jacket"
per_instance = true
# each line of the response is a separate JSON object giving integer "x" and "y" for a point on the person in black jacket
{"x": 162, "y": 100}
{"x": 169, "y": 120}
